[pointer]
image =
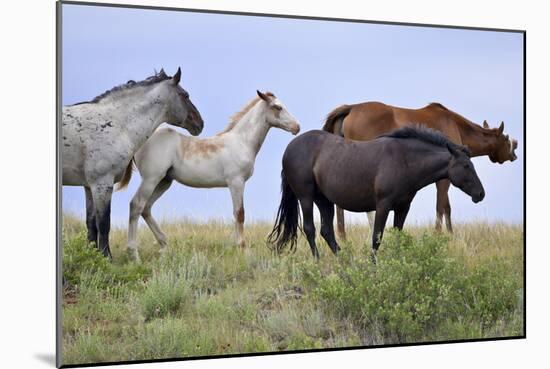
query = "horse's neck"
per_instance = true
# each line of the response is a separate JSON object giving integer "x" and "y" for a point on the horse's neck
{"x": 137, "y": 116}
{"x": 478, "y": 142}
{"x": 251, "y": 130}
{"x": 434, "y": 167}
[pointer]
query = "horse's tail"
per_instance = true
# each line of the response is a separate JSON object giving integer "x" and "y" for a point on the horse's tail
{"x": 123, "y": 183}
{"x": 333, "y": 123}
{"x": 285, "y": 230}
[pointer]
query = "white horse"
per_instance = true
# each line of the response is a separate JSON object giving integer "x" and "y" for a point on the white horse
{"x": 224, "y": 160}
{"x": 101, "y": 136}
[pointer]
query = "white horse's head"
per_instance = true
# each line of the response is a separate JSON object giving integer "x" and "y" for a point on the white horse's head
{"x": 180, "y": 110}
{"x": 276, "y": 114}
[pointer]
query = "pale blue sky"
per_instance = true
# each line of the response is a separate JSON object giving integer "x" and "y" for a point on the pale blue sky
{"x": 312, "y": 66}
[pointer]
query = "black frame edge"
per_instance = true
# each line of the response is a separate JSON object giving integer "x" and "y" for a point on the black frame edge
{"x": 290, "y": 16}
{"x": 59, "y": 197}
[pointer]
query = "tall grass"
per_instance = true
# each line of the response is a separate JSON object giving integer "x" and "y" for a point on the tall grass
{"x": 206, "y": 296}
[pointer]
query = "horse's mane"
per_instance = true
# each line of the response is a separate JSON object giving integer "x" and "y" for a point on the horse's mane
{"x": 235, "y": 118}
{"x": 157, "y": 77}
{"x": 427, "y": 135}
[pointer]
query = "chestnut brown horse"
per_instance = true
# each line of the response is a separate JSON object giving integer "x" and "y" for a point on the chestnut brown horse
{"x": 366, "y": 121}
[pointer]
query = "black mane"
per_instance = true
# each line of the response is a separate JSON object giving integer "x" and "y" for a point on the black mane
{"x": 157, "y": 77}
{"x": 427, "y": 135}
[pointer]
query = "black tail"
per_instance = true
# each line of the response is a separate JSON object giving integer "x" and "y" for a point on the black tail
{"x": 285, "y": 230}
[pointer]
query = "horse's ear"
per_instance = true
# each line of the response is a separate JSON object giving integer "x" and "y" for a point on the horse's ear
{"x": 485, "y": 124}
{"x": 177, "y": 77}
{"x": 501, "y": 128}
{"x": 263, "y": 96}
{"x": 162, "y": 72}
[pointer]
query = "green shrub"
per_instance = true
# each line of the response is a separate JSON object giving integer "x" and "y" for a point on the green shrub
{"x": 415, "y": 288}
{"x": 80, "y": 257}
{"x": 492, "y": 291}
{"x": 164, "y": 294}
{"x": 84, "y": 263}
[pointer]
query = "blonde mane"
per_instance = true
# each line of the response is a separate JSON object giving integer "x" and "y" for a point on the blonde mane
{"x": 235, "y": 118}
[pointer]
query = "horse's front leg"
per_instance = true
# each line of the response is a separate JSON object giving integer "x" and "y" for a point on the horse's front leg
{"x": 236, "y": 187}
{"x": 91, "y": 224}
{"x": 382, "y": 211}
{"x": 101, "y": 196}
{"x": 399, "y": 216}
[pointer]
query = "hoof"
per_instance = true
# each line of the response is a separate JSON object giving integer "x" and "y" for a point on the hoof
{"x": 316, "y": 255}
{"x": 134, "y": 255}
{"x": 373, "y": 257}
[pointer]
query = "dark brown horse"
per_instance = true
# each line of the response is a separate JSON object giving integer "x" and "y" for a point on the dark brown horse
{"x": 383, "y": 175}
{"x": 368, "y": 120}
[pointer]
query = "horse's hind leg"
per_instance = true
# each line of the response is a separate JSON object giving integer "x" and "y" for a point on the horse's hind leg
{"x": 370, "y": 218}
{"x": 101, "y": 197}
{"x": 140, "y": 199}
{"x": 91, "y": 224}
{"x": 443, "y": 207}
{"x": 161, "y": 188}
{"x": 340, "y": 223}
{"x": 326, "y": 208}
{"x": 236, "y": 187}
{"x": 306, "y": 204}
{"x": 382, "y": 212}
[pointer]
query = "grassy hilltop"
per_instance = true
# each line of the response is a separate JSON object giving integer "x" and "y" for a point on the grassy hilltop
{"x": 207, "y": 297}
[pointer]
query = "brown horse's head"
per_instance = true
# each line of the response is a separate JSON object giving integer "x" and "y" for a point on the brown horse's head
{"x": 505, "y": 147}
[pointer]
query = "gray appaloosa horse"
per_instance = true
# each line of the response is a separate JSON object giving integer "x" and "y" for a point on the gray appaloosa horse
{"x": 100, "y": 138}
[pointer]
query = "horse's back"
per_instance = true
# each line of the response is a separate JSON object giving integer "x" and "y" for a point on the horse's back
{"x": 302, "y": 153}
{"x": 344, "y": 171}
{"x": 89, "y": 147}
{"x": 368, "y": 120}
{"x": 310, "y": 143}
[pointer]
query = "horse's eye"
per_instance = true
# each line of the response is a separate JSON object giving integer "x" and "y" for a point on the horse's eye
{"x": 277, "y": 107}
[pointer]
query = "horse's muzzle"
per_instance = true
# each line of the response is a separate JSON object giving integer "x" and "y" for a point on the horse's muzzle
{"x": 478, "y": 197}
{"x": 195, "y": 125}
{"x": 295, "y": 128}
